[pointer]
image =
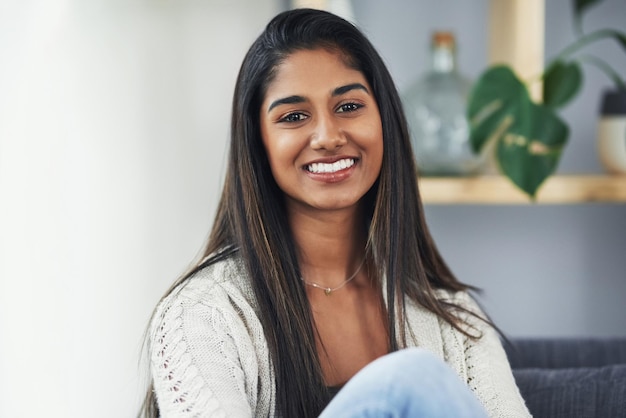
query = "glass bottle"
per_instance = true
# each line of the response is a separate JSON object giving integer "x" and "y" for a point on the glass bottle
{"x": 435, "y": 107}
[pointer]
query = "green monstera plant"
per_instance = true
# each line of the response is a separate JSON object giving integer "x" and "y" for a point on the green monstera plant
{"x": 528, "y": 137}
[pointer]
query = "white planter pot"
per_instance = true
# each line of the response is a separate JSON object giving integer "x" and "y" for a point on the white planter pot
{"x": 612, "y": 132}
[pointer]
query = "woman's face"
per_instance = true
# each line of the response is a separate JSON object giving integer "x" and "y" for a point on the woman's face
{"x": 322, "y": 131}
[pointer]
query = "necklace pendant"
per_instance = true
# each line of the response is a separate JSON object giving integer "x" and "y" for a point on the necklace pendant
{"x": 327, "y": 291}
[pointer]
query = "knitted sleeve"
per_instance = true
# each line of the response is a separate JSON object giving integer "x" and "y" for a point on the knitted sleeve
{"x": 196, "y": 362}
{"x": 489, "y": 374}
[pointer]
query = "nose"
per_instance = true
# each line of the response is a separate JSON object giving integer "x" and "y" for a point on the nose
{"x": 327, "y": 134}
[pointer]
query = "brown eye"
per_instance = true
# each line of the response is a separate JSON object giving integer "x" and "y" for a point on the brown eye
{"x": 349, "y": 107}
{"x": 294, "y": 117}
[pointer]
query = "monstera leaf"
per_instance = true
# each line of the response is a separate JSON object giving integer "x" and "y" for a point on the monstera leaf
{"x": 496, "y": 98}
{"x": 529, "y": 137}
{"x": 529, "y": 152}
{"x": 561, "y": 83}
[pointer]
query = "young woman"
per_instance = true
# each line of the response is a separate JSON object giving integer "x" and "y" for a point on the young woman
{"x": 320, "y": 277}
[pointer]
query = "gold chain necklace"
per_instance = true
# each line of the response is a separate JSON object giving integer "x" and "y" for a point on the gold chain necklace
{"x": 329, "y": 290}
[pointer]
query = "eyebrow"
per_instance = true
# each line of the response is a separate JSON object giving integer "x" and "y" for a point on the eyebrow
{"x": 354, "y": 86}
{"x": 287, "y": 100}
{"x": 336, "y": 92}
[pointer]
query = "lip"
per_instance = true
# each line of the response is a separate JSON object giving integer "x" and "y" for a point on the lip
{"x": 335, "y": 177}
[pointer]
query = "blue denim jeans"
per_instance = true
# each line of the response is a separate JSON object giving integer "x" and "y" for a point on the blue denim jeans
{"x": 407, "y": 383}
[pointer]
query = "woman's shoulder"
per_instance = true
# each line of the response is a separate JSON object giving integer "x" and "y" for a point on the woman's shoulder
{"x": 460, "y": 298}
{"x": 226, "y": 275}
{"x": 465, "y": 307}
{"x": 216, "y": 285}
{"x": 446, "y": 295}
{"x": 433, "y": 330}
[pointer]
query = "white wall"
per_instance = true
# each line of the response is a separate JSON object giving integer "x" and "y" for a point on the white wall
{"x": 113, "y": 124}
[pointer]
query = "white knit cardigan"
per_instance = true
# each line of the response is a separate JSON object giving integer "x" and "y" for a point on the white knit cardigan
{"x": 209, "y": 356}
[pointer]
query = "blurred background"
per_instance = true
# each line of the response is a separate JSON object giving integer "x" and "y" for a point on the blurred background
{"x": 113, "y": 124}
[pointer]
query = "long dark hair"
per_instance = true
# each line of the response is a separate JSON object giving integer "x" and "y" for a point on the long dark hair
{"x": 251, "y": 216}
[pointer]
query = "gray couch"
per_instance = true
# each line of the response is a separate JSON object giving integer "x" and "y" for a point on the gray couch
{"x": 571, "y": 378}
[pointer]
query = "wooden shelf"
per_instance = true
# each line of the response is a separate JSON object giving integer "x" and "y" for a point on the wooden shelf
{"x": 495, "y": 189}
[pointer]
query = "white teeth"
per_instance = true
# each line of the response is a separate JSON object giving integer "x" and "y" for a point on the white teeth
{"x": 330, "y": 168}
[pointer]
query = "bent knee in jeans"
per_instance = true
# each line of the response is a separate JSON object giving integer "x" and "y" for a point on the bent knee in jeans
{"x": 406, "y": 383}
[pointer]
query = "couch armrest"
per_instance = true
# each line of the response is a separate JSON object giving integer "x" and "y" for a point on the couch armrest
{"x": 559, "y": 353}
{"x": 574, "y": 393}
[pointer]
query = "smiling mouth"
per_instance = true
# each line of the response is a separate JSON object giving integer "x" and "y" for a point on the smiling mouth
{"x": 323, "y": 168}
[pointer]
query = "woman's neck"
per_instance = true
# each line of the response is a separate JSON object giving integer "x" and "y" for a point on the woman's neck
{"x": 331, "y": 245}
